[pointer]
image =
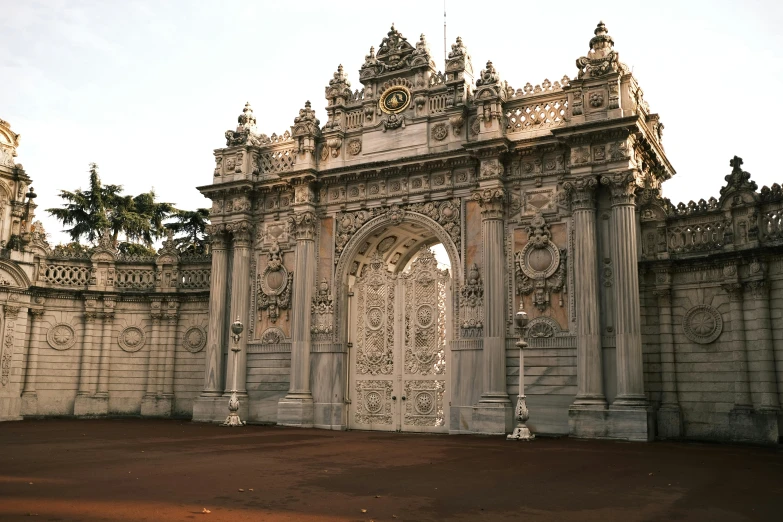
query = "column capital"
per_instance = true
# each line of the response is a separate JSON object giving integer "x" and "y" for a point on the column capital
{"x": 757, "y": 289}
{"x": 582, "y": 192}
{"x": 622, "y": 187}
{"x": 734, "y": 290}
{"x": 302, "y": 225}
{"x": 217, "y": 236}
{"x": 304, "y": 194}
{"x": 36, "y": 312}
{"x": 241, "y": 232}
{"x": 492, "y": 201}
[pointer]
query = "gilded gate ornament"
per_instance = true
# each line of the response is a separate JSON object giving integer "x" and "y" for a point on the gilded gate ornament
{"x": 375, "y": 339}
{"x": 540, "y": 265}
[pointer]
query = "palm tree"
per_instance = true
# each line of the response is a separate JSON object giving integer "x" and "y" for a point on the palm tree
{"x": 190, "y": 227}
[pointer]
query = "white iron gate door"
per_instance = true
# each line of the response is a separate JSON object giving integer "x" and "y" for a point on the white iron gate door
{"x": 398, "y": 361}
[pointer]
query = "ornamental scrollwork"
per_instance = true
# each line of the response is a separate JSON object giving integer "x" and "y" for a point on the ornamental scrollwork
{"x": 274, "y": 284}
{"x": 302, "y": 225}
{"x": 322, "y": 309}
{"x": 472, "y": 300}
{"x": 540, "y": 266}
{"x": 602, "y": 59}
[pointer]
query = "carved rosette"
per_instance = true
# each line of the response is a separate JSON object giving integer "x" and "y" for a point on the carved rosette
{"x": 373, "y": 402}
{"x": 491, "y": 201}
{"x": 302, "y": 225}
{"x": 195, "y": 339}
{"x": 424, "y": 406}
{"x": 702, "y": 324}
{"x": 540, "y": 266}
{"x": 581, "y": 192}
{"x": 61, "y": 336}
{"x": 622, "y": 187}
{"x": 131, "y": 339}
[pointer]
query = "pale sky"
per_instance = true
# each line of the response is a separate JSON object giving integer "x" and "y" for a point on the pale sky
{"x": 146, "y": 89}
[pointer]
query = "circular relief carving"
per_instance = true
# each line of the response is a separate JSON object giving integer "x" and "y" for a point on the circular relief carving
{"x": 354, "y": 147}
{"x": 373, "y": 402}
{"x": 131, "y": 339}
{"x": 195, "y": 339}
{"x": 424, "y": 316}
{"x": 61, "y": 336}
{"x": 439, "y": 132}
{"x": 424, "y": 403}
{"x": 702, "y": 324}
{"x": 395, "y": 99}
{"x": 374, "y": 318}
{"x": 386, "y": 244}
{"x": 540, "y": 262}
{"x": 274, "y": 280}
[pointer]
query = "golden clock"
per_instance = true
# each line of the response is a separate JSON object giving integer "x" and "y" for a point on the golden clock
{"x": 395, "y": 99}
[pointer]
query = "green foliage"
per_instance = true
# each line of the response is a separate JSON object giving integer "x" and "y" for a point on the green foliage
{"x": 105, "y": 209}
{"x": 189, "y": 228}
{"x": 135, "y": 249}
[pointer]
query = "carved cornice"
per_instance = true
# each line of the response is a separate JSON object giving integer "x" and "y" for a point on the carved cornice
{"x": 622, "y": 187}
{"x": 491, "y": 201}
{"x": 302, "y": 225}
{"x": 581, "y": 191}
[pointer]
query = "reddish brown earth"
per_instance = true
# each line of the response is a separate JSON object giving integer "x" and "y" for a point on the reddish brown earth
{"x": 130, "y": 469}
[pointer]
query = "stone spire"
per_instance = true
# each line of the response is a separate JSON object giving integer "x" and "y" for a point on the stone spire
{"x": 738, "y": 179}
{"x": 246, "y": 128}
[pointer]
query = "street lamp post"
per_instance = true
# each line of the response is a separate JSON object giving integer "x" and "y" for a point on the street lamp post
{"x": 233, "y": 403}
{"x": 521, "y": 432}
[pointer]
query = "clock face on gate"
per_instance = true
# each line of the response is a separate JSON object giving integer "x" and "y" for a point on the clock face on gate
{"x": 395, "y": 99}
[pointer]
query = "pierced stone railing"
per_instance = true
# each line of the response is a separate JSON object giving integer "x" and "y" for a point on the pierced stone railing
{"x": 194, "y": 278}
{"x": 698, "y": 237}
{"x": 66, "y": 274}
{"x": 538, "y": 115}
{"x": 135, "y": 278}
{"x": 772, "y": 225}
{"x": 438, "y": 103}
{"x": 276, "y": 161}
{"x": 354, "y": 119}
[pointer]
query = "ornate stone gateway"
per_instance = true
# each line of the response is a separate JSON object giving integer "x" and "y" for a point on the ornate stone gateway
{"x": 398, "y": 367}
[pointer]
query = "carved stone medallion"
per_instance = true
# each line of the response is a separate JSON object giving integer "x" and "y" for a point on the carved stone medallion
{"x": 61, "y": 336}
{"x": 355, "y": 146}
{"x": 702, "y": 324}
{"x": 195, "y": 339}
{"x": 395, "y": 99}
{"x": 440, "y": 132}
{"x": 131, "y": 339}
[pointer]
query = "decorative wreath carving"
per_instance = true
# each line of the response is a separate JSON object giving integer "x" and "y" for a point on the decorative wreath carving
{"x": 61, "y": 336}
{"x": 195, "y": 339}
{"x": 131, "y": 339}
{"x": 702, "y": 324}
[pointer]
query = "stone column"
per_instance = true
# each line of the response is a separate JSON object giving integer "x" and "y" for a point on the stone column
{"x": 172, "y": 320}
{"x": 624, "y": 247}
{"x": 103, "y": 366}
{"x": 742, "y": 400}
{"x": 216, "y": 329}
{"x": 589, "y": 369}
{"x": 149, "y": 403}
{"x": 240, "y": 301}
{"x": 494, "y": 411}
{"x": 762, "y": 356}
{"x": 669, "y": 415}
{"x": 296, "y": 408}
{"x": 36, "y": 314}
{"x": 85, "y": 386}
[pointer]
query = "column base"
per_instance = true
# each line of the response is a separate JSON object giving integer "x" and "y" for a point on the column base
{"x": 756, "y": 427}
{"x": 29, "y": 404}
{"x": 156, "y": 405}
{"x": 589, "y": 402}
{"x": 492, "y": 418}
{"x": 295, "y": 410}
{"x": 616, "y": 422}
{"x": 10, "y": 408}
{"x": 669, "y": 422}
{"x": 91, "y": 405}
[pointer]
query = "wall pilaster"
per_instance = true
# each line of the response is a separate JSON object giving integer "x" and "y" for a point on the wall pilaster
{"x": 761, "y": 357}
{"x": 29, "y": 395}
{"x": 742, "y": 399}
{"x": 217, "y": 313}
{"x": 296, "y": 408}
{"x": 240, "y": 300}
{"x": 590, "y": 394}
{"x": 624, "y": 246}
{"x": 669, "y": 414}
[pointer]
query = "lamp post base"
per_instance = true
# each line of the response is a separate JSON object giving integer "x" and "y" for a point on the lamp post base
{"x": 521, "y": 432}
{"x": 233, "y": 416}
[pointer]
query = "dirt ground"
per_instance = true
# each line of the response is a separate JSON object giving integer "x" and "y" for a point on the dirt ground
{"x": 131, "y": 469}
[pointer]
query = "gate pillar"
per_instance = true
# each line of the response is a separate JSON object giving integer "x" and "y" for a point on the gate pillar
{"x": 493, "y": 414}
